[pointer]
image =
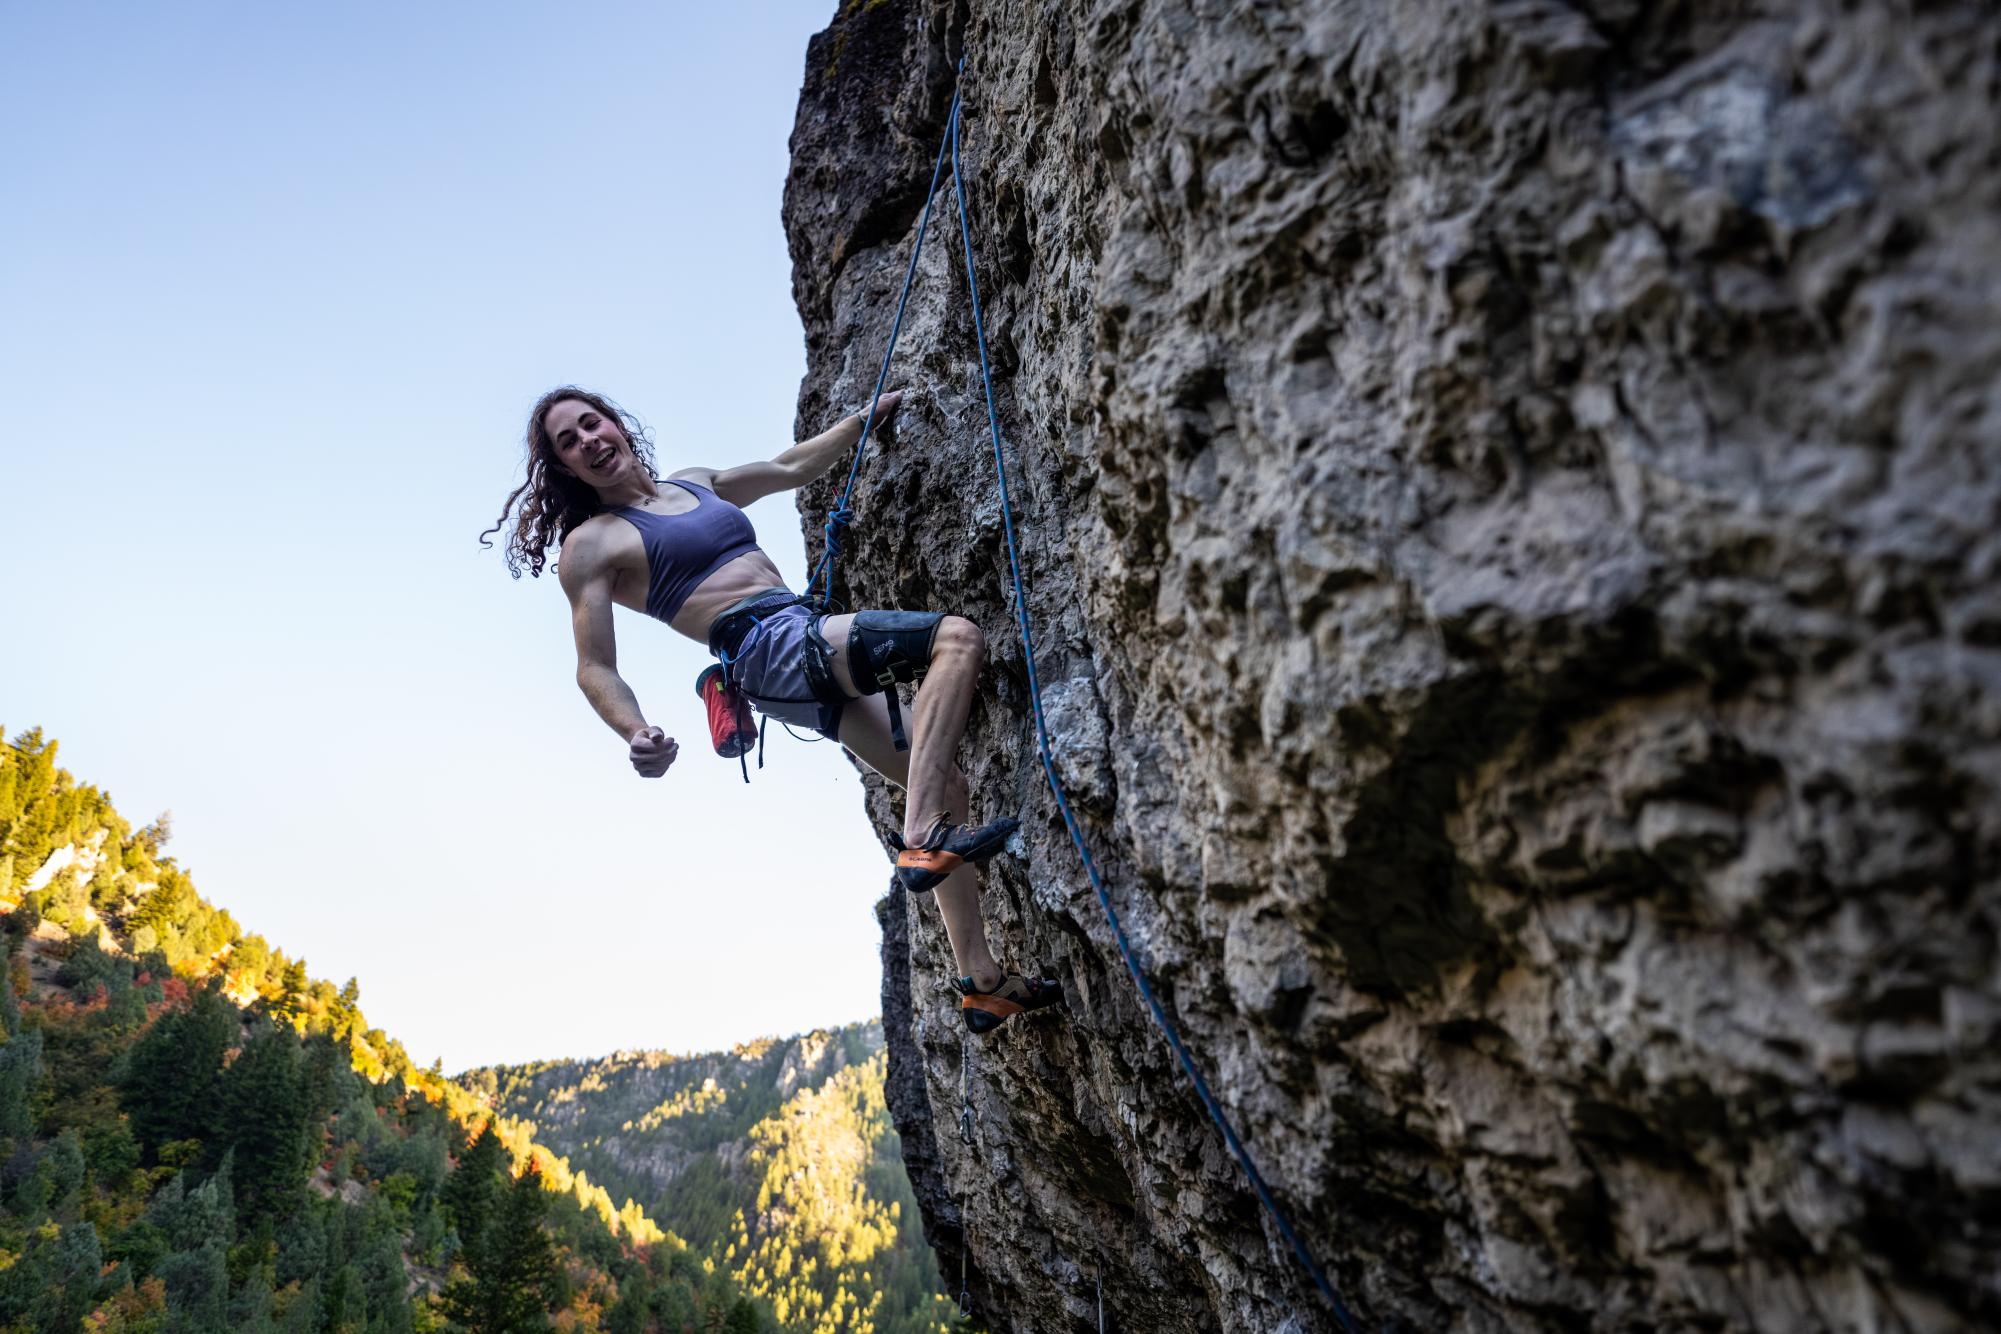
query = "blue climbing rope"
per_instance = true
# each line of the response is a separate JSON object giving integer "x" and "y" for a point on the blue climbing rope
{"x": 1202, "y": 1090}
{"x": 841, "y": 515}
{"x": 838, "y": 519}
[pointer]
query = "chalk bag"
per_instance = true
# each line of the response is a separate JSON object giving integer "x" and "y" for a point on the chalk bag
{"x": 732, "y": 726}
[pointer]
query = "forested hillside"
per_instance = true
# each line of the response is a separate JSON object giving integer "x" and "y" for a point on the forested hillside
{"x": 196, "y": 1135}
{"x": 776, "y": 1161}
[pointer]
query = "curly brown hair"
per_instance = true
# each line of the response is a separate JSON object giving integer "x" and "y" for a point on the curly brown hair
{"x": 552, "y": 502}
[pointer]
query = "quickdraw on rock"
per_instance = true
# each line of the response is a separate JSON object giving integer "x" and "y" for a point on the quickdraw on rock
{"x": 965, "y": 1095}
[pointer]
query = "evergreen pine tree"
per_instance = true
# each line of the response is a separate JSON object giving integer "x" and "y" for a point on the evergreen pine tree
{"x": 384, "y": 1279}
{"x": 347, "y": 1007}
{"x": 79, "y": 1258}
{"x": 170, "y": 1084}
{"x": 346, "y": 1304}
{"x": 303, "y": 1315}
{"x": 61, "y": 1170}
{"x": 52, "y": 1284}
{"x": 292, "y": 987}
{"x": 674, "y": 1306}
{"x": 250, "y": 1310}
{"x": 470, "y": 1192}
{"x": 302, "y": 1245}
{"x": 105, "y": 890}
{"x": 163, "y": 910}
{"x": 264, "y": 1122}
{"x": 20, "y": 1072}
{"x": 512, "y": 1274}
{"x": 155, "y": 835}
{"x": 10, "y": 1004}
{"x": 628, "y": 1313}
{"x": 200, "y": 1225}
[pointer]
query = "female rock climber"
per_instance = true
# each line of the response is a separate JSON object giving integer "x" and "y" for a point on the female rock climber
{"x": 682, "y": 551}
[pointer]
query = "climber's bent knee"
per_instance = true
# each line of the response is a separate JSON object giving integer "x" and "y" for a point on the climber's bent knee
{"x": 961, "y": 633}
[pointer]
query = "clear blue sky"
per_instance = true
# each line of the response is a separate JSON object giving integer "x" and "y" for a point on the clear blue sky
{"x": 279, "y": 284}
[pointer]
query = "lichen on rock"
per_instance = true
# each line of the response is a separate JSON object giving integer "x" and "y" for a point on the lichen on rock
{"x": 1510, "y": 498}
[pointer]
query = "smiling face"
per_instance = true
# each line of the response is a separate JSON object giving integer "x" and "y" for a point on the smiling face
{"x": 587, "y": 443}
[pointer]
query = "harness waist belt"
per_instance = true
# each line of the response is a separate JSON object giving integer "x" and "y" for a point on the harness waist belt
{"x": 727, "y": 631}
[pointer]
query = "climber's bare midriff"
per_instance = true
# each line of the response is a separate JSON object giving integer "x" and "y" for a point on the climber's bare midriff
{"x": 748, "y": 574}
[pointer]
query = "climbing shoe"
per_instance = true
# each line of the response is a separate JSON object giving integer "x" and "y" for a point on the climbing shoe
{"x": 949, "y": 847}
{"x": 985, "y": 1011}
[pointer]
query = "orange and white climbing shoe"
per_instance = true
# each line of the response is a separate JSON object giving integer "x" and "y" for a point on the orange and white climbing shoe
{"x": 948, "y": 847}
{"x": 984, "y": 1011}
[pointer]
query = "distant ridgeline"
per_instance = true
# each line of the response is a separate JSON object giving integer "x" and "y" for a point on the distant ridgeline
{"x": 195, "y": 1135}
{"x": 776, "y": 1161}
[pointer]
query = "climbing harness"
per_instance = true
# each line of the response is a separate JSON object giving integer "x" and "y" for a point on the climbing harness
{"x": 732, "y": 726}
{"x": 837, "y": 522}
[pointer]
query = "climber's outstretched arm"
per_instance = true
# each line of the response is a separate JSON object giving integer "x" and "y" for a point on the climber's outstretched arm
{"x": 586, "y": 577}
{"x": 796, "y": 466}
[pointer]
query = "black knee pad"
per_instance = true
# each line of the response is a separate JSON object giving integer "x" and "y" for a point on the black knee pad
{"x": 885, "y": 647}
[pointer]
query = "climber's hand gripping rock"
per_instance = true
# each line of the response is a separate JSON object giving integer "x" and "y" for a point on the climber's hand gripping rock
{"x": 885, "y": 409}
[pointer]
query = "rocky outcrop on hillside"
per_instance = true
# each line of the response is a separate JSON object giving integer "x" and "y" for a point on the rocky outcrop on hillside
{"x": 1510, "y": 500}
{"x": 634, "y": 1121}
{"x": 773, "y": 1167}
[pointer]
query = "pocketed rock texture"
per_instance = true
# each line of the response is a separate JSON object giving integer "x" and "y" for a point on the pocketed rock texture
{"x": 1508, "y": 497}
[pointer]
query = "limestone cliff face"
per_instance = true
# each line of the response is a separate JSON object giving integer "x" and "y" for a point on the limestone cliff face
{"x": 1512, "y": 501}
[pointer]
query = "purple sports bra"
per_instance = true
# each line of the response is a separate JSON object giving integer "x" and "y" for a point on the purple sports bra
{"x": 684, "y": 549}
